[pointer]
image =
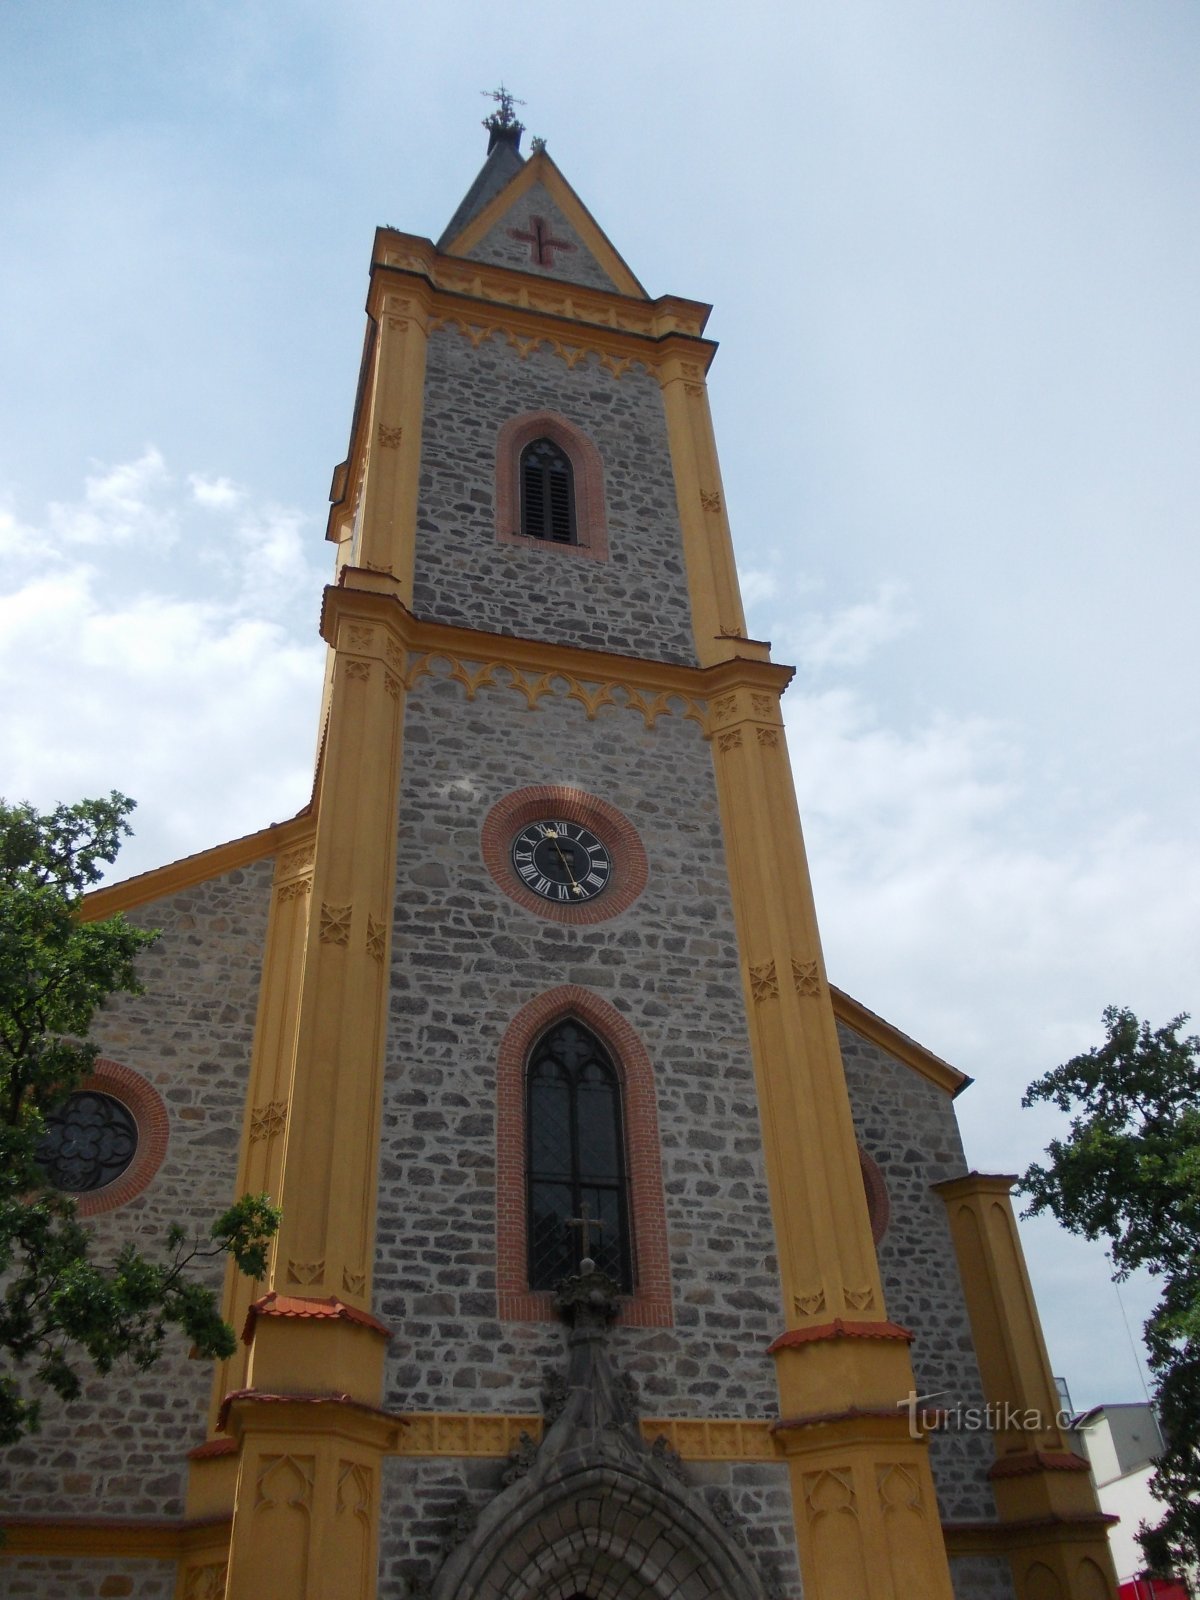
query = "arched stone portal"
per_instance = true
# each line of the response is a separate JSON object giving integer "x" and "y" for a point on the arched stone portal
{"x": 603, "y": 1534}
{"x": 598, "y": 1515}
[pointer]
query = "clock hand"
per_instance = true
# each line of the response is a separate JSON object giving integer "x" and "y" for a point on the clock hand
{"x": 552, "y": 834}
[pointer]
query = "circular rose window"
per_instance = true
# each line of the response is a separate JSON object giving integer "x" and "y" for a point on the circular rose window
{"x": 90, "y": 1140}
{"x": 106, "y": 1140}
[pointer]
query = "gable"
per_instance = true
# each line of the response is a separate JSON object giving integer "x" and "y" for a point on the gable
{"x": 537, "y": 223}
{"x": 854, "y": 1015}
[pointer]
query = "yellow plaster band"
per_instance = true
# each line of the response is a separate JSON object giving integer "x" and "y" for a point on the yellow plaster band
{"x": 200, "y": 868}
{"x": 442, "y": 1433}
{"x": 525, "y": 322}
{"x": 751, "y": 667}
{"x": 168, "y": 1541}
{"x": 395, "y": 252}
{"x": 158, "y": 1540}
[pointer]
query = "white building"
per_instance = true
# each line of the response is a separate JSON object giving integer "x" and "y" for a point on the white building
{"x": 1121, "y": 1443}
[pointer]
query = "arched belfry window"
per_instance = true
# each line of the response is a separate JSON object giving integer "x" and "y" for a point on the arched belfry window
{"x": 547, "y": 492}
{"x": 576, "y": 1158}
{"x": 550, "y": 487}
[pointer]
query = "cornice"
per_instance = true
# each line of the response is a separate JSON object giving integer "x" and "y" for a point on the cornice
{"x": 335, "y": 1414}
{"x": 855, "y": 1015}
{"x": 500, "y": 291}
{"x": 175, "y": 876}
{"x": 473, "y": 655}
{"x": 973, "y": 1183}
{"x": 150, "y": 1538}
{"x": 995, "y": 1538}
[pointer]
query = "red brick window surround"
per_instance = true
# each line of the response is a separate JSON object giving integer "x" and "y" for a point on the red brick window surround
{"x": 587, "y": 468}
{"x": 145, "y": 1104}
{"x": 515, "y": 811}
{"x": 649, "y": 1305}
{"x": 879, "y": 1205}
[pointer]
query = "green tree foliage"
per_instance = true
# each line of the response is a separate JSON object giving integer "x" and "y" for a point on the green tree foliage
{"x": 1129, "y": 1173}
{"x": 58, "y": 1307}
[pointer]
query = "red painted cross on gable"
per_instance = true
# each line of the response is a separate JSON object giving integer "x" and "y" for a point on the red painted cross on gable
{"x": 541, "y": 242}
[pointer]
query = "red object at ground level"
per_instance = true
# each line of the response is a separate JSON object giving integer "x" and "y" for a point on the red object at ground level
{"x": 1153, "y": 1589}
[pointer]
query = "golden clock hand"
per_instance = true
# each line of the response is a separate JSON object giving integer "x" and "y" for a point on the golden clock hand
{"x": 552, "y": 833}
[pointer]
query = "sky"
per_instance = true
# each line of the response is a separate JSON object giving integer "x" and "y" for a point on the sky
{"x": 953, "y": 248}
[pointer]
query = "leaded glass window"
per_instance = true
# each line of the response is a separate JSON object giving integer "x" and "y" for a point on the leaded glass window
{"x": 89, "y": 1141}
{"x": 576, "y": 1158}
{"x": 547, "y": 493}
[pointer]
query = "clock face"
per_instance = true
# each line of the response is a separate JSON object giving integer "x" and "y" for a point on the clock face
{"x": 561, "y": 861}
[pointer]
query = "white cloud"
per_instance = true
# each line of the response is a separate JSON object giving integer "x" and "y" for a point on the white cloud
{"x": 850, "y": 636}
{"x": 121, "y": 505}
{"x": 281, "y": 566}
{"x": 199, "y": 705}
{"x": 14, "y": 536}
{"x": 217, "y": 494}
{"x": 757, "y": 585}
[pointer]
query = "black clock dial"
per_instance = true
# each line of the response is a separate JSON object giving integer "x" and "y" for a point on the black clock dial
{"x": 561, "y": 861}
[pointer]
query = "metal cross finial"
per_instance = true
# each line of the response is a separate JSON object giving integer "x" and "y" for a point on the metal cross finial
{"x": 585, "y": 1222}
{"x": 504, "y": 116}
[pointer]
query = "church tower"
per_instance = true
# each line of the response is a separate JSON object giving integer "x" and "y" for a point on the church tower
{"x": 579, "y": 1292}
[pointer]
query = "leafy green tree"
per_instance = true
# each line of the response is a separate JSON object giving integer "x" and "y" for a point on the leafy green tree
{"x": 1129, "y": 1173}
{"x": 59, "y": 1307}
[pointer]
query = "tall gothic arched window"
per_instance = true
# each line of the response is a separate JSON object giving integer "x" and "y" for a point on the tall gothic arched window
{"x": 547, "y": 493}
{"x": 576, "y": 1147}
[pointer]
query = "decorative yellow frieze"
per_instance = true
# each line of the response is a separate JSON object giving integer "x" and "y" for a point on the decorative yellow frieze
{"x": 441, "y": 1433}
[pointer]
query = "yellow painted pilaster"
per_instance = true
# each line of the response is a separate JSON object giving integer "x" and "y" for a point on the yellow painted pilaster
{"x": 866, "y": 1514}
{"x": 260, "y": 1163}
{"x": 1039, "y": 1485}
{"x": 386, "y": 520}
{"x": 330, "y": 1159}
{"x": 308, "y": 1497}
{"x": 862, "y": 1492}
{"x": 717, "y": 616}
{"x": 827, "y": 1257}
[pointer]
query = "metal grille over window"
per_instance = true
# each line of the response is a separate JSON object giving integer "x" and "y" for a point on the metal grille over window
{"x": 576, "y": 1159}
{"x": 89, "y": 1140}
{"x": 547, "y": 493}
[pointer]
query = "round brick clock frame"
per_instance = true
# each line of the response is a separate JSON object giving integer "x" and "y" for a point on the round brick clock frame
{"x": 517, "y": 810}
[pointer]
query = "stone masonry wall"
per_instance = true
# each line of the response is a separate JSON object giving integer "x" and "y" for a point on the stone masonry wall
{"x": 908, "y": 1125}
{"x": 120, "y": 1450}
{"x": 466, "y": 959}
{"x": 500, "y": 248}
{"x": 636, "y": 602}
{"x": 86, "y": 1578}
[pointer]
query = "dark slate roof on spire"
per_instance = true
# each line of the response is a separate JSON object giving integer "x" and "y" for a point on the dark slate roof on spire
{"x": 502, "y": 164}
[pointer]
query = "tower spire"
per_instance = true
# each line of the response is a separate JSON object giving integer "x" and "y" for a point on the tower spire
{"x": 503, "y": 125}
